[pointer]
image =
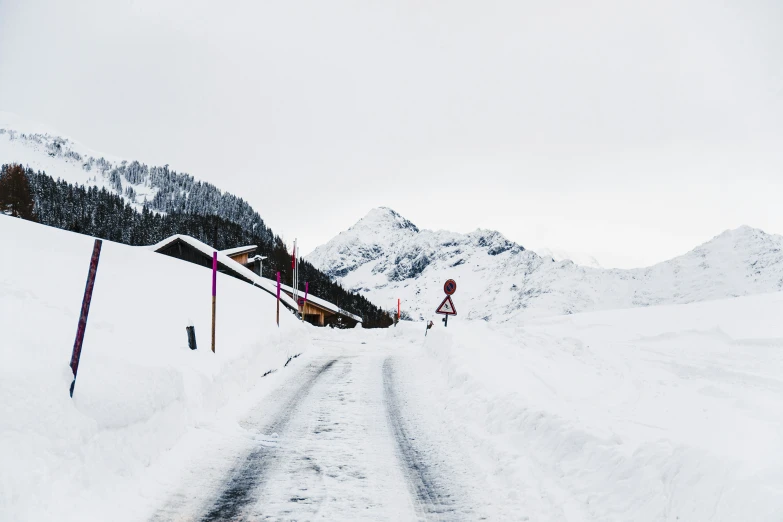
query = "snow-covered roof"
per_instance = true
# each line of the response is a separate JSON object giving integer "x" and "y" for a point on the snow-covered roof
{"x": 261, "y": 282}
{"x": 238, "y": 250}
{"x": 324, "y": 304}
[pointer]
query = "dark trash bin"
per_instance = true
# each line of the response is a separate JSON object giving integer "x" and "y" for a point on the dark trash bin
{"x": 191, "y": 337}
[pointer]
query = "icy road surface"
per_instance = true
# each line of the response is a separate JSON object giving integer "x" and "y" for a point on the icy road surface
{"x": 343, "y": 438}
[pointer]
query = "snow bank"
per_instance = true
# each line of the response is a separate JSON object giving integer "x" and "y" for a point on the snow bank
{"x": 663, "y": 413}
{"x": 140, "y": 387}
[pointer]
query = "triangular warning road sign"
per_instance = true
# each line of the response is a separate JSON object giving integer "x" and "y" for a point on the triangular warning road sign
{"x": 446, "y": 307}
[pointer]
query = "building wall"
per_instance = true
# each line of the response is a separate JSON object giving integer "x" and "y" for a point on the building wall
{"x": 240, "y": 258}
{"x": 182, "y": 250}
{"x": 314, "y": 311}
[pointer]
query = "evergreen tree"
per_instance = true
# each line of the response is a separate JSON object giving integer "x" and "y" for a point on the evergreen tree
{"x": 105, "y": 214}
{"x": 15, "y": 198}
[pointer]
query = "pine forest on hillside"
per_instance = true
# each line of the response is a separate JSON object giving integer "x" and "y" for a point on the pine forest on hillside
{"x": 220, "y": 220}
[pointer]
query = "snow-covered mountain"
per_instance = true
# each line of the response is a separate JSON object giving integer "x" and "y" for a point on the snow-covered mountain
{"x": 42, "y": 148}
{"x": 558, "y": 254}
{"x": 160, "y": 188}
{"x": 385, "y": 257}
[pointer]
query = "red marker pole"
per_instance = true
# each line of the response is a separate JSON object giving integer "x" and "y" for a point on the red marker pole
{"x": 398, "y": 309}
{"x": 214, "y": 295}
{"x": 77, "y": 344}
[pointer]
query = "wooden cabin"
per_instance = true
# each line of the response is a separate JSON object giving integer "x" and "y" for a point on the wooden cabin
{"x": 237, "y": 263}
{"x": 319, "y": 312}
{"x": 194, "y": 251}
{"x": 245, "y": 256}
{"x": 240, "y": 254}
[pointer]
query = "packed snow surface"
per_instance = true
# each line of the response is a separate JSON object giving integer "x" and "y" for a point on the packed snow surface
{"x": 139, "y": 390}
{"x": 659, "y": 413}
{"x": 386, "y": 257}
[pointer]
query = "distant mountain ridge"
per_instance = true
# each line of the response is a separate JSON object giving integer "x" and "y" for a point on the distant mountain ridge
{"x": 159, "y": 188}
{"x": 386, "y": 257}
{"x": 558, "y": 254}
{"x": 78, "y": 189}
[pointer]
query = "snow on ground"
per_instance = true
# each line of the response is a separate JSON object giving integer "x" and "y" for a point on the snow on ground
{"x": 140, "y": 389}
{"x": 659, "y": 413}
{"x": 664, "y": 413}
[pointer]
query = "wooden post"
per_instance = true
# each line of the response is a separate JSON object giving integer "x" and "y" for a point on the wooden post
{"x": 77, "y": 344}
{"x": 214, "y": 295}
{"x": 304, "y": 303}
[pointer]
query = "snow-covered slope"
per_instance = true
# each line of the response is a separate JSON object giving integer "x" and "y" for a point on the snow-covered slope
{"x": 559, "y": 254}
{"x": 161, "y": 188}
{"x": 386, "y": 257}
{"x": 668, "y": 413}
{"x": 42, "y": 148}
{"x": 139, "y": 388}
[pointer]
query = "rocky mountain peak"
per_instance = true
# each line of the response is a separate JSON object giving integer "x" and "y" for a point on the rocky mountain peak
{"x": 382, "y": 219}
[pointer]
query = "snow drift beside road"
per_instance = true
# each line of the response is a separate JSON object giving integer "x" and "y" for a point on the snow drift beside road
{"x": 139, "y": 387}
{"x": 663, "y": 413}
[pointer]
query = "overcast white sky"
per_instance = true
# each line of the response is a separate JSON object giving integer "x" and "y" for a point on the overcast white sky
{"x": 627, "y": 130}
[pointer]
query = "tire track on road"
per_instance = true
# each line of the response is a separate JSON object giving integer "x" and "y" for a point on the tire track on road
{"x": 240, "y": 489}
{"x": 432, "y": 500}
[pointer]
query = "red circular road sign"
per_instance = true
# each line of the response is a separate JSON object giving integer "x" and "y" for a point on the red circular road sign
{"x": 450, "y": 287}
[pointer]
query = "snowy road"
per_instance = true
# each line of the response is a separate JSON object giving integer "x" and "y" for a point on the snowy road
{"x": 339, "y": 445}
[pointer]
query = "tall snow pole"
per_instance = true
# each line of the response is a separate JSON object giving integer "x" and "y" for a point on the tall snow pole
{"x": 278, "y": 299}
{"x": 305, "y": 299}
{"x": 214, "y": 295}
{"x": 398, "y": 309}
{"x": 294, "y": 277}
{"x": 77, "y": 344}
{"x": 293, "y": 272}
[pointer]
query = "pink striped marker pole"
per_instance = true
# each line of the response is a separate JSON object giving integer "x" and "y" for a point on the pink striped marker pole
{"x": 278, "y": 299}
{"x": 77, "y": 344}
{"x": 304, "y": 302}
{"x": 214, "y": 295}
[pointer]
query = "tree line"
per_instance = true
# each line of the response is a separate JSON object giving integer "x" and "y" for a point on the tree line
{"x": 101, "y": 213}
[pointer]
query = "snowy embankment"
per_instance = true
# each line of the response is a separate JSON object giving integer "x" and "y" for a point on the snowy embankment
{"x": 140, "y": 388}
{"x": 662, "y": 413}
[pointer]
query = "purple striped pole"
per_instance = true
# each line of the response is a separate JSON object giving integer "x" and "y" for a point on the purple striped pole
{"x": 214, "y": 294}
{"x": 278, "y": 299}
{"x": 77, "y": 344}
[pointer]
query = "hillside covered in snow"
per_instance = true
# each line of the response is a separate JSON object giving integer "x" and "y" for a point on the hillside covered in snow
{"x": 159, "y": 188}
{"x": 662, "y": 413}
{"x": 77, "y": 189}
{"x": 386, "y": 257}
